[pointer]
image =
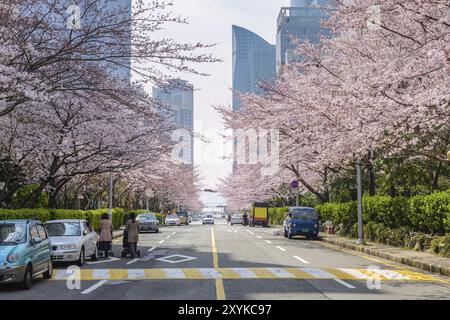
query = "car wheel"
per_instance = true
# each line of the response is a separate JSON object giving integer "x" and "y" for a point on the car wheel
{"x": 82, "y": 258}
{"x": 94, "y": 257}
{"x": 48, "y": 274}
{"x": 27, "y": 281}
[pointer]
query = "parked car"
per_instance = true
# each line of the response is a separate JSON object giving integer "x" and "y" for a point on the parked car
{"x": 172, "y": 220}
{"x": 184, "y": 217}
{"x": 25, "y": 252}
{"x": 208, "y": 219}
{"x": 301, "y": 221}
{"x": 148, "y": 222}
{"x": 72, "y": 240}
{"x": 237, "y": 218}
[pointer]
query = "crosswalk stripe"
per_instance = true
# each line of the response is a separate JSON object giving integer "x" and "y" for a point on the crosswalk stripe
{"x": 244, "y": 273}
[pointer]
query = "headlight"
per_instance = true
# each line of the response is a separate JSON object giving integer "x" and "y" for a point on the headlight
{"x": 69, "y": 246}
{"x": 316, "y": 225}
{"x": 12, "y": 257}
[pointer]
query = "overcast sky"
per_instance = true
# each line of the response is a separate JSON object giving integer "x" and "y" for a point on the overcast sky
{"x": 210, "y": 21}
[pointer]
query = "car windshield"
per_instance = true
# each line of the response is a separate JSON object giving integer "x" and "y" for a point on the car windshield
{"x": 12, "y": 233}
{"x": 146, "y": 217}
{"x": 304, "y": 214}
{"x": 184, "y": 214}
{"x": 209, "y": 216}
{"x": 173, "y": 216}
{"x": 238, "y": 215}
{"x": 63, "y": 229}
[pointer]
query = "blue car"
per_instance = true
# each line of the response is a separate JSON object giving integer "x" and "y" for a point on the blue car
{"x": 25, "y": 252}
{"x": 301, "y": 221}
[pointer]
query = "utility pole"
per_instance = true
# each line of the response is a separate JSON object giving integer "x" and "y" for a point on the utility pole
{"x": 110, "y": 194}
{"x": 359, "y": 191}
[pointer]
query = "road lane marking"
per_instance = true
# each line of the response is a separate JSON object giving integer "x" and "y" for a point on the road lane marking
{"x": 250, "y": 232}
{"x": 281, "y": 273}
{"x": 269, "y": 242}
{"x": 112, "y": 259}
{"x": 151, "y": 249}
{"x": 242, "y": 273}
{"x": 301, "y": 259}
{"x": 220, "y": 291}
{"x": 132, "y": 261}
{"x": 346, "y": 284}
{"x": 281, "y": 248}
{"x": 174, "y": 232}
{"x": 235, "y": 231}
{"x": 259, "y": 237}
{"x": 161, "y": 241}
{"x": 95, "y": 286}
{"x": 168, "y": 237}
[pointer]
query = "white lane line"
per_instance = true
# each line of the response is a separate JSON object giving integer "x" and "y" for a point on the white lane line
{"x": 355, "y": 273}
{"x": 151, "y": 249}
{"x": 174, "y": 232}
{"x": 100, "y": 274}
{"x": 281, "y": 273}
{"x": 132, "y": 261}
{"x": 319, "y": 273}
{"x": 346, "y": 284}
{"x": 175, "y": 273}
{"x": 168, "y": 237}
{"x": 249, "y": 232}
{"x": 112, "y": 259}
{"x": 281, "y": 248}
{"x": 258, "y": 237}
{"x": 244, "y": 273}
{"x": 269, "y": 242}
{"x": 300, "y": 259}
{"x": 235, "y": 231}
{"x": 161, "y": 241}
{"x": 95, "y": 286}
{"x": 135, "y": 274}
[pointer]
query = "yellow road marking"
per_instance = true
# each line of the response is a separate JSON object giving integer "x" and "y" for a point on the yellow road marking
{"x": 220, "y": 290}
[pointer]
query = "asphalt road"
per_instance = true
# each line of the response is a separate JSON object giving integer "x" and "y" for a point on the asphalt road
{"x": 199, "y": 262}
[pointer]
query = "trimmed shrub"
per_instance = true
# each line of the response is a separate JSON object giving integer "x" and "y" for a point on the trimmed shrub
{"x": 276, "y": 215}
{"x": 430, "y": 213}
{"x": 441, "y": 246}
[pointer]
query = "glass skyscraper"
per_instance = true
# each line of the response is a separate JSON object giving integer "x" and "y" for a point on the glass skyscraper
{"x": 253, "y": 63}
{"x": 178, "y": 96}
{"x": 301, "y": 20}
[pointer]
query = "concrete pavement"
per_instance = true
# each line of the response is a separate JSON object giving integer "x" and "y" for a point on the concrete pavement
{"x": 239, "y": 263}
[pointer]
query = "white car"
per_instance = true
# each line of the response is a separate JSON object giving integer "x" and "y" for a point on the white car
{"x": 72, "y": 240}
{"x": 172, "y": 220}
{"x": 208, "y": 219}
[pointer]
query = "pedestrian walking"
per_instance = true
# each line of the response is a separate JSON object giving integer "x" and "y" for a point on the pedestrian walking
{"x": 229, "y": 218}
{"x": 133, "y": 234}
{"x": 245, "y": 218}
{"x": 106, "y": 232}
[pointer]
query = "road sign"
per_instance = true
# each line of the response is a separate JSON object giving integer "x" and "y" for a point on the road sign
{"x": 294, "y": 184}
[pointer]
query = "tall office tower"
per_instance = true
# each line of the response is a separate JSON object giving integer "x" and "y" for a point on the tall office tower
{"x": 253, "y": 63}
{"x": 301, "y": 20}
{"x": 178, "y": 97}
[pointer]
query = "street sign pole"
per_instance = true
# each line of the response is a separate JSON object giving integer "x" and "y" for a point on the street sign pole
{"x": 359, "y": 191}
{"x": 294, "y": 186}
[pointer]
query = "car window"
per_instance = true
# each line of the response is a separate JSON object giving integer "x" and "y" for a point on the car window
{"x": 90, "y": 229}
{"x": 41, "y": 231}
{"x": 12, "y": 233}
{"x": 86, "y": 227}
{"x": 304, "y": 214}
{"x": 59, "y": 229}
{"x": 34, "y": 232}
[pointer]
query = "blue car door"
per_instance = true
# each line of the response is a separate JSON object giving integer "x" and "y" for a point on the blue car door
{"x": 45, "y": 251}
{"x": 35, "y": 249}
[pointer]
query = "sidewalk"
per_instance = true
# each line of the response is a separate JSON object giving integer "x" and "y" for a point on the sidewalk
{"x": 118, "y": 233}
{"x": 423, "y": 260}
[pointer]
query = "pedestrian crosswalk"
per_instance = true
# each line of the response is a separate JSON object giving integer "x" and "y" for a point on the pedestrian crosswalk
{"x": 241, "y": 273}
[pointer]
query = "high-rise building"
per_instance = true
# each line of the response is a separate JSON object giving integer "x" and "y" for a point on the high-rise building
{"x": 253, "y": 63}
{"x": 301, "y": 20}
{"x": 178, "y": 97}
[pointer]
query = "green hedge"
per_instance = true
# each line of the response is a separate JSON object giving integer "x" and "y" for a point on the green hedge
{"x": 428, "y": 214}
{"x": 93, "y": 216}
{"x": 276, "y": 215}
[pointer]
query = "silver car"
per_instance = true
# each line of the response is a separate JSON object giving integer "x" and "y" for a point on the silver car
{"x": 72, "y": 240}
{"x": 208, "y": 219}
{"x": 148, "y": 222}
{"x": 172, "y": 220}
{"x": 237, "y": 218}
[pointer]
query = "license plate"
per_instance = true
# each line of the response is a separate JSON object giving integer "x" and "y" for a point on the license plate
{"x": 305, "y": 230}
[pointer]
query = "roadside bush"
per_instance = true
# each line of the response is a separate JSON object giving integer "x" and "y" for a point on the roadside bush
{"x": 276, "y": 215}
{"x": 430, "y": 213}
{"x": 93, "y": 216}
{"x": 441, "y": 246}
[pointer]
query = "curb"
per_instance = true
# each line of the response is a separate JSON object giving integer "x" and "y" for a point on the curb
{"x": 431, "y": 267}
{"x": 117, "y": 235}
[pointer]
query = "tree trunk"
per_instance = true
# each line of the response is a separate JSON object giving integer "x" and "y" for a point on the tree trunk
{"x": 436, "y": 175}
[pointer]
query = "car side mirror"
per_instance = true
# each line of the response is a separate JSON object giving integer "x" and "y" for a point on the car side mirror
{"x": 290, "y": 215}
{"x": 85, "y": 233}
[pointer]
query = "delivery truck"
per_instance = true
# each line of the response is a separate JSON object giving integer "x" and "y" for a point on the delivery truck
{"x": 259, "y": 215}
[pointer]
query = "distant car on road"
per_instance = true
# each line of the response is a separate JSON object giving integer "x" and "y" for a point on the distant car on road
{"x": 25, "y": 252}
{"x": 208, "y": 219}
{"x": 172, "y": 220}
{"x": 148, "y": 222}
{"x": 301, "y": 221}
{"x": 184, "y": 217}
{"x": 72, "y": 240}
{"x": 237, "y": 218}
